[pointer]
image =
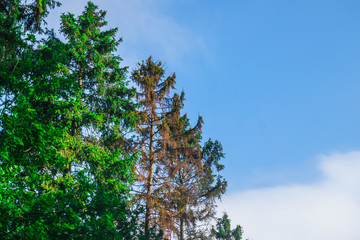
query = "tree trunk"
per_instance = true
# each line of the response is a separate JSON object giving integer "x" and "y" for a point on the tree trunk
{"x": 181, "y": 229}
{"x": 149, "y": 185}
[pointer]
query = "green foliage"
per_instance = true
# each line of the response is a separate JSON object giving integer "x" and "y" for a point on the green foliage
{"x": 30, "y": 14}
{"x": 65, "y": 108}
{"x": 223, "y": 230}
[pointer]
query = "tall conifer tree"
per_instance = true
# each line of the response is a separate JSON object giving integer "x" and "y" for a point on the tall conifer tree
{"x": 155, "y": 110}
{"x": 183, "y": 166}
{"x": 180, "y": 179}
{"x": 63, "y": 166}
{"x": 194, "y": 176}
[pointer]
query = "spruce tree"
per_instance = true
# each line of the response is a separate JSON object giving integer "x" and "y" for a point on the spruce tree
{"x": 194, "y": 176}
{"x": 155, "y": 110}
{"x": 64, "y": 168}
{"x": 178, "y": 180}
{"x": 183, "y": 166}
{"x": 223, "y": 231}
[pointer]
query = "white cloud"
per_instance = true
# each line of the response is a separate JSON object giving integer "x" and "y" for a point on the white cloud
{"x": 328, "y": 209}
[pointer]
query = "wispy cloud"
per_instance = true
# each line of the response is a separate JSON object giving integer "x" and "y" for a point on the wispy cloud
{"x": 147, "y": 28}
{"x": 328, "y": 209}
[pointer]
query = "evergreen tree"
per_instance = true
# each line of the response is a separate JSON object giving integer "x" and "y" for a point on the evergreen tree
{"x": 30, "y": 14}
{"x": 24, "y": 133}
{"x": 155, "y": 110}
{"x": 64, "y": 169}
{"x": 223, "y": 231}
{"x": 195, "y": 179}
{"x": 212, "y": 184}
{"x": 184, "y": 167}
{"x": 192, "y": 180}
{"x": 179, "y": 180}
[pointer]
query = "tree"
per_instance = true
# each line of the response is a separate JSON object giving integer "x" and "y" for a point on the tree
{"x": 30, "y": 14}
{"x": 194, "y": 175}
{"x": 18, "y": 24}
{"x": 65, "y": 171}
{"x": 22, "y": 131}
{"x": 158, "y": 112}
{"x": 223, "y": 230}
{"x": 213, "y": 184}
{"x": 102, "y": 113}
{"x": 153, "y": 98}
{"x": 183, "y": 166}
{"x": 179, "y": 180}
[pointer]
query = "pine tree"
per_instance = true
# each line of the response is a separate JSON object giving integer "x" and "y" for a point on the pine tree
{"x": 155, "y": 110}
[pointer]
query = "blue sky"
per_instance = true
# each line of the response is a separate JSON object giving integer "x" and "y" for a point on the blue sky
{"x": 277, "y": 82}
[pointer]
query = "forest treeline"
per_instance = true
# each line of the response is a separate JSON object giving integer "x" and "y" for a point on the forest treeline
{"x": 85, "y": 156}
